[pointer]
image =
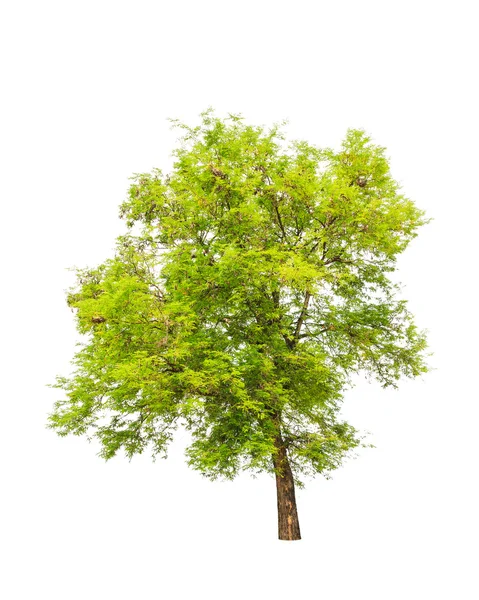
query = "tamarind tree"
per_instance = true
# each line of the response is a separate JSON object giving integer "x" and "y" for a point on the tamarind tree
{"x": 250, "y": 286}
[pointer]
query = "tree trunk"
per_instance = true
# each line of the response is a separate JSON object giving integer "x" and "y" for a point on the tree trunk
{"x": 288, "y": 523}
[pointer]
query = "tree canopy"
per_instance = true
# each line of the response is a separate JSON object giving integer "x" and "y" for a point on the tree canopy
{"x": 252, "y": 284}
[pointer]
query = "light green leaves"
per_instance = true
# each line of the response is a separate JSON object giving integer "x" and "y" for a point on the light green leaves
{"x": 253, "y": 282}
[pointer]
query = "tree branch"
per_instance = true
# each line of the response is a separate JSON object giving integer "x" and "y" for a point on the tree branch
{"x": 279, "y": 218}
{"x": 338, "y": 259}
{"x": 302, "y": 316}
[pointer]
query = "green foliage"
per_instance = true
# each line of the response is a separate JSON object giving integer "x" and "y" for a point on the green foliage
{"x": 251, "y": 285}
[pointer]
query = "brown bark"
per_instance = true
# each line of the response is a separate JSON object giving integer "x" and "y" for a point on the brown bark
{"x": 288, "y": 523}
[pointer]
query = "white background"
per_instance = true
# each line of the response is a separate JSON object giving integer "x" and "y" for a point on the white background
{"x": 86, "y": 91}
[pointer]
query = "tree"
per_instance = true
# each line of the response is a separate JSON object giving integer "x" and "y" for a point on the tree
{"x": 251, "y": 285}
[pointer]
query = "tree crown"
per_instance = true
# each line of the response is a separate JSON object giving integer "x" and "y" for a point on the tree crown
{"x": 251, "y": 285}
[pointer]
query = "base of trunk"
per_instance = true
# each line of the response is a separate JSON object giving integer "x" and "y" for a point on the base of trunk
{"x": 288, "y": 522}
